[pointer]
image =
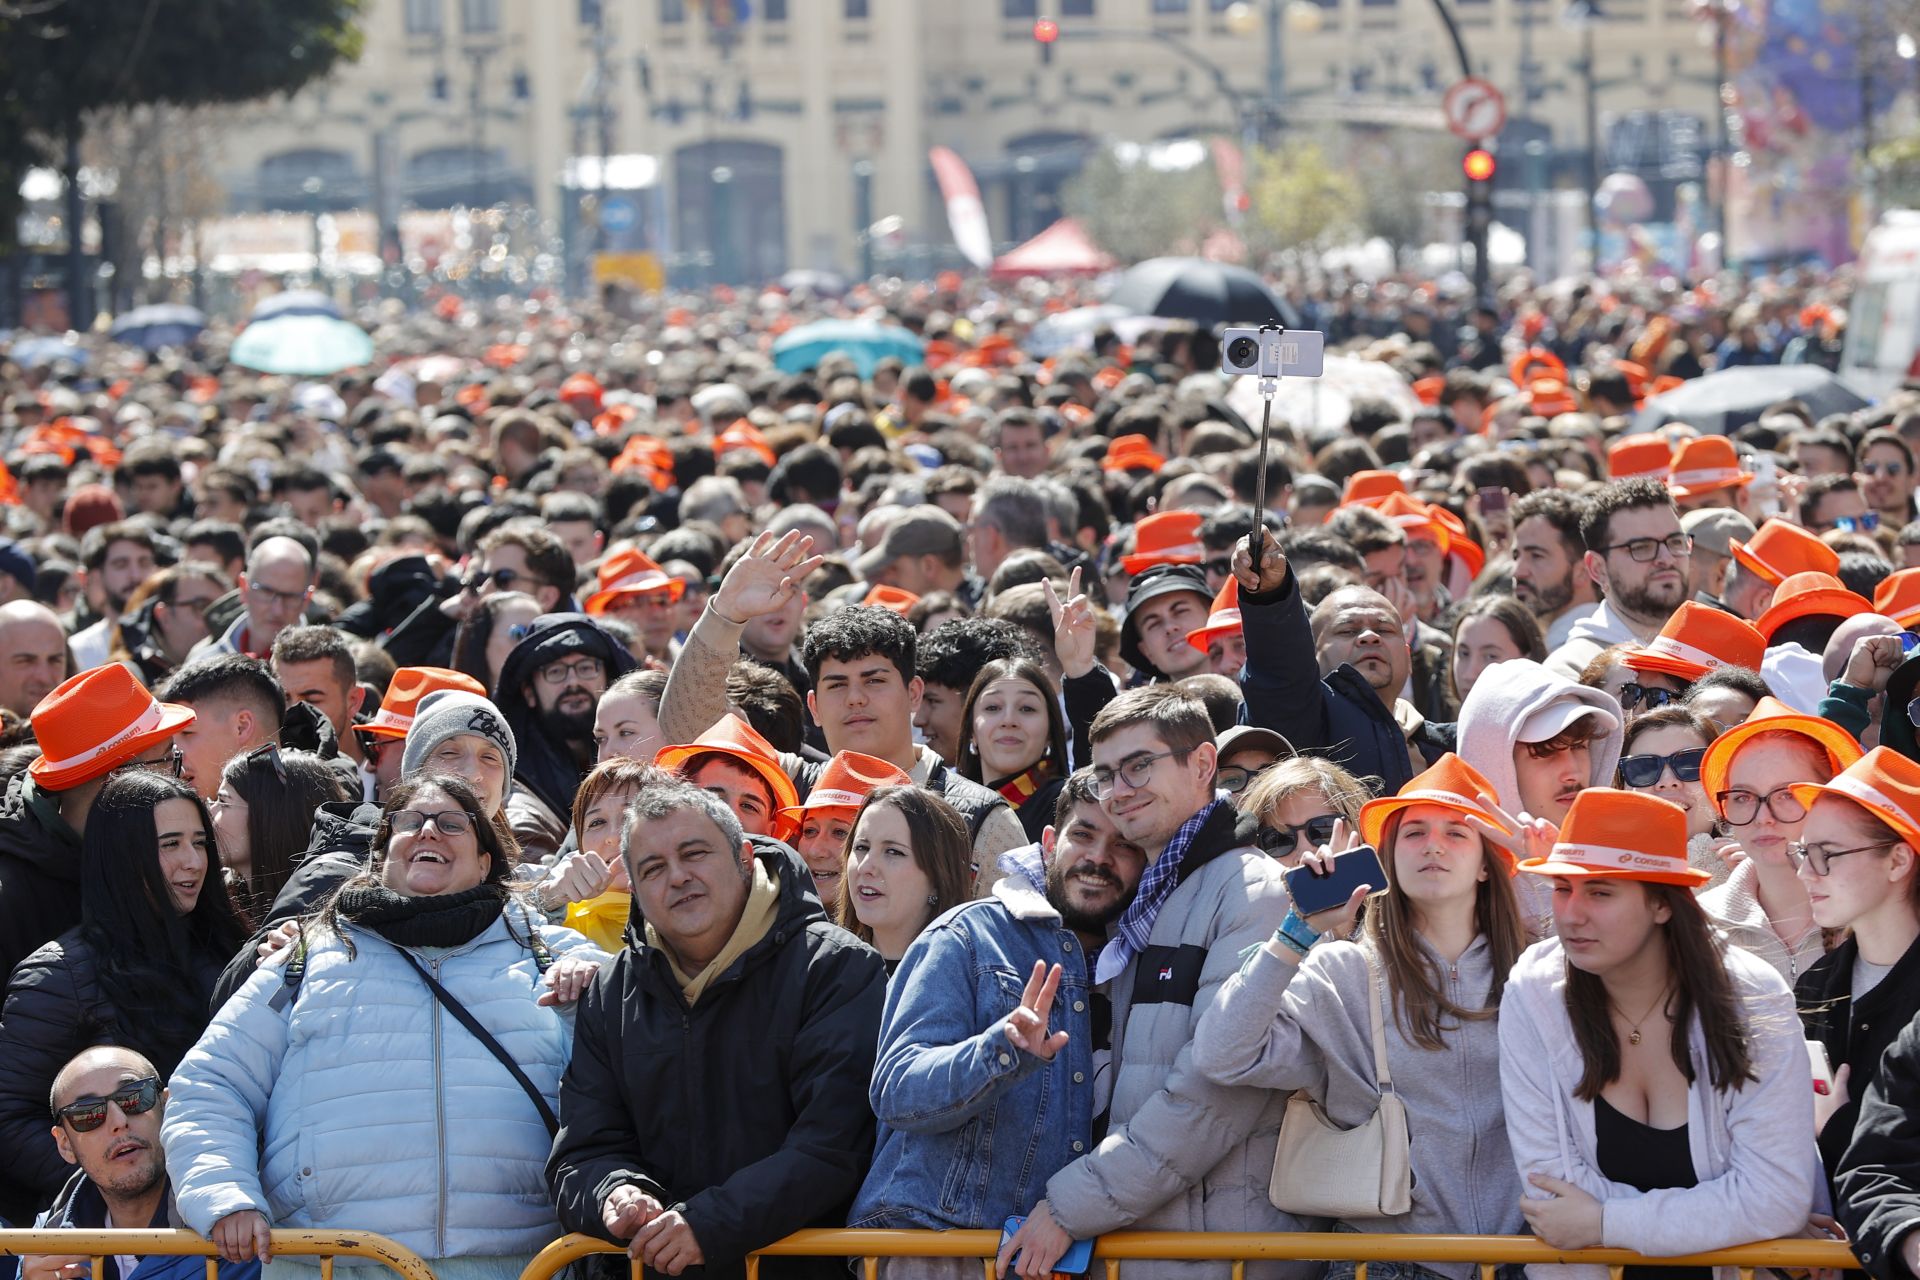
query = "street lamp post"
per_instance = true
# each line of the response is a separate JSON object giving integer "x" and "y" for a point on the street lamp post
{"x": 863, "y": 213}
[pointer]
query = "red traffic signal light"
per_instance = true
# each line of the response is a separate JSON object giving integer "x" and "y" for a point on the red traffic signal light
{"x": 1046, "y": 31}
{"x": 1479, "y": 165}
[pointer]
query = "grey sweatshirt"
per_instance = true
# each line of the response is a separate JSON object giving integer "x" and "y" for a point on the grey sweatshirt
{"x": 1284, "y": 1027}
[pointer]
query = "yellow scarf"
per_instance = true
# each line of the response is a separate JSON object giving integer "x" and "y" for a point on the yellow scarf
{"x": 756, "y": 921}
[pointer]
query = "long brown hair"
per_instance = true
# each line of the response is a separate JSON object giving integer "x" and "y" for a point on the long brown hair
{"x": 1419, "y": 989}
{"x": 940, "y": 849}
{"x": 971, "y": 766}
{"x": 1701, "y": 986}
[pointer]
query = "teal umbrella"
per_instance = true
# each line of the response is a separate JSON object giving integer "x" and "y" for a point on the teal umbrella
{"x": 866, "y": 342}
{"x": 302, "y": 344}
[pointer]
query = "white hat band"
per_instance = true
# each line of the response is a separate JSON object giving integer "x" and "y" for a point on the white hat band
{"x": 640, "y": 580}
{"x": 1709, "y": 475}
{"x": 147, "y": 722}
{"x": 1184, "y": 549}
{"x": 1871, "y": 796}
{"x": 386, "y": 718}
{"x": 819, "y": 799}
{"x": 1600, "y": 855}
{"x": 1221, "y": 618}
{"x": 1668, "y": 647}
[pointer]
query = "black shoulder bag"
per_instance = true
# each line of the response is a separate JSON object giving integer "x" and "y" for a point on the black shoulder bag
{"x": 485, "y": 1037}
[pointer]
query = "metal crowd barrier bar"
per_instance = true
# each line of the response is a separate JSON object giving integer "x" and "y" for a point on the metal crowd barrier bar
{"x": 101, "y": 1244}
{"x": 1486, "y": 1252}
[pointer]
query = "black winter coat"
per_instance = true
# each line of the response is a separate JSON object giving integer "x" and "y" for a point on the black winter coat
{"x": 1878, "y": 1183}
{"x": 748, "y": 1112}
{"x": 39, "y": 873}
{"x": 1856, "y": 1033}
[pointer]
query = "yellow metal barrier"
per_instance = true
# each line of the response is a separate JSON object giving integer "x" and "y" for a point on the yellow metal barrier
{"x": 1486, "y": 1252}
{"x": 102, "y": 1244}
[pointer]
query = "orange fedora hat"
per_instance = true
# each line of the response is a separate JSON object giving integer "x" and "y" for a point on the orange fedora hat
{"x": 1779, "y": 550}
{"x": 845, "y": 782}
{"x": 1449, "y": 782}
{"x": 1770, "y": 715}
{"x": 1132, "y": 453}
{"x": 95, "y": 722}
{"x": 1223, "y": 618}
{"x": 1371, "y": 486}
{"x": 1699, "y": 638}
{"x": 1883, "y": 782}
{"x": 1166, "y": 537}
{"x": 631, "y": 572}
{"x": 1460, "y": 543}
{"x": 409, "y": 686}
{"x": 1621, "y": 835}
{"x": 1704, "y": 465}
{"x": 1898, "y": 597}
{"x": 732, "y": 736}
{"x": 1810, "y": 595}
{"x": 894, "y": 598}
{"x": 1639, "y": 455}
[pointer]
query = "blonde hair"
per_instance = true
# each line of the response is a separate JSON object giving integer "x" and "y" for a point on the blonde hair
{"x": 1285, "y": 779}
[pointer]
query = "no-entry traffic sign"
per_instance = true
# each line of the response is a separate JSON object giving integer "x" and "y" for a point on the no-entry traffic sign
{"x": 1475, "y": 109}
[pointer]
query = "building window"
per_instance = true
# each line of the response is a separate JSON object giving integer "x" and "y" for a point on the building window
{"x": 673, "y": 12}
{"x": 1170, "y": 6}
{"x": 856, "y": 10}
{"x": 774, "y": 10}
{"x": 1076, "y": 8}
{"x": 423, "y": 17}
{"x": 1019, "y": 9}
{"x": 480, "y": 17}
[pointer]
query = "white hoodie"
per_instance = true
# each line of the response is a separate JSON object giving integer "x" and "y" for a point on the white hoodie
{"x": 1601, "y": 629}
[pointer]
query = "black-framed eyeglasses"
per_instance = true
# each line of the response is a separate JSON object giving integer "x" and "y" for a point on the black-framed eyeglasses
{"x": 173, "y": 764}
{"x": 288, "y": 599}
{"x": 1645, "y": 770}
{"x": 1219, "y": 567}
{"x": 1233, "y": 778}
{"x": 448, "y": 822}
{"x": 1647, "y": 550}
{"x": 581, "y": 669}
{"x": 1633, "y": 694}
{"x": 501, "y": 578}
{"x": 1134, "y": 772}
{"x": 1743, "y": 807}
{"x": 84, "y": 1115}
{"x": 1820, "y": 858}
{"x": 269, "y": 755}
{"x": 1275, "y": 841}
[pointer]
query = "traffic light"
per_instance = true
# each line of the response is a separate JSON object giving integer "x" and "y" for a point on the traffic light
{"x": 1479, "y": 165}
{"x": 1045, "y": 32}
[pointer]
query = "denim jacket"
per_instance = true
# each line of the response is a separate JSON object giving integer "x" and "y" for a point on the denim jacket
{"x": 971, "y": 1128}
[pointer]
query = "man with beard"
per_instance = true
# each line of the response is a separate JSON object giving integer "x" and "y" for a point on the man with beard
{"x": 1548, "y": 575}
{"x": 107, "y": 1105}
{"x": 968, "y": 1038}
{"x": 549, "y": 687}
{"x": 1639, "y": 558}
{"x": 117, "y": 557}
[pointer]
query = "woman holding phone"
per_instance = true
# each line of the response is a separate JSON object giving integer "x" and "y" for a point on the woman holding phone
{"x": 1439, "y": 938}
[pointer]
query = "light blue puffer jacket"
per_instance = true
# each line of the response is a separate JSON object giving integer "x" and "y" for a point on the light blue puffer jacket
{"x": 361, "y": 1103}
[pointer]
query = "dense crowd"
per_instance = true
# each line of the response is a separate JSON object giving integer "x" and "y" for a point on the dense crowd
{"x": 578, "y": 776}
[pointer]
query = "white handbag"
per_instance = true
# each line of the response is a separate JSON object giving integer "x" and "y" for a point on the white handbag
{"x": 1323, "y": 1171}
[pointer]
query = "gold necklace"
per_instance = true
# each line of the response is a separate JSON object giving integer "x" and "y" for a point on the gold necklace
{"x": 1634, "y": 1036}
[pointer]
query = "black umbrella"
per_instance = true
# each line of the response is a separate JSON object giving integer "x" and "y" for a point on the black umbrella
{"x": 164, "y": 324}
{"x": 1209, "y": 293}
{"x": 1723, "y": 402}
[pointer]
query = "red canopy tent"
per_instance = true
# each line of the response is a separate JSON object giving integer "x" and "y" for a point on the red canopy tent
{"x": 1062, "y": 249}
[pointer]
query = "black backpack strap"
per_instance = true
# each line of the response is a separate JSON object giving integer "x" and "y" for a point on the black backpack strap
{"x": 485, "y": 1037}
{"x": 291, "y": 974}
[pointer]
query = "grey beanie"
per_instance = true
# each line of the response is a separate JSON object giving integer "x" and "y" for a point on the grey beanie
{"x": 449, "y": 714}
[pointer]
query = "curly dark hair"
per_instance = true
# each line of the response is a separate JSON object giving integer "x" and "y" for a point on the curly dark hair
{"x": 857, "y": 632}
{"x": 955, "y": 651}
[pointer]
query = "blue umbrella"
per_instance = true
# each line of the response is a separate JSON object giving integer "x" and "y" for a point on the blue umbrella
{"x": 296, "y": 302}
{"x": 164, "y": 325}
{"x": 311, "y": 346}
{"x": 866, "y": 342}
{"x": 32, "y": 352}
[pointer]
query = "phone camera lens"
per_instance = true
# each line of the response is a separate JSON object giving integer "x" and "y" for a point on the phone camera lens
{"x": 1242, "y": 353}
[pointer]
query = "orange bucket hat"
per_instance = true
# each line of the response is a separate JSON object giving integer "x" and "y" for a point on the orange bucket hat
{"x": 845, "y": 782}
{"x": 732, "y": 736}
{"x": 1639, "y": 455}
{"x": 1883, "y": 782}
{"x": 1370, "y": 486}
{"x": 631, "y": 572}
{"x": 1621, "y": 835}
{"x": 582, "y": 386}
{"x": 95, "y": 722}
{"x": 1770, "y": 715}
{"x": 1699, "y": 638}
{"x": 893, "y": 598}
{"x": 1898, "y": 597}
{"x": 405, "y": 692}
{"x": 1704, "y": 465}
{"x": 1413, "y": 517}
{"x": 1132, "y": 453}
{"x": 1460, "y": 544}
{"x": 1166, "y": 537}
{"x": 1223, "y": 618}
{"x": 1810, "y": 595}
{"x": 1449, "y": 782}
{"x": 1779, "y": 550}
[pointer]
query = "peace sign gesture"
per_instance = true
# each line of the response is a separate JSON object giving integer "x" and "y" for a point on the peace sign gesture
{"x": 1027, "y": 1025}
{"x": 1073, "y": 627}
{"x": 1531, "y": 837}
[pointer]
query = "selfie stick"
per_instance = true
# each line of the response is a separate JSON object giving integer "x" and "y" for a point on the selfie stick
{"x": 1268, "y": 386}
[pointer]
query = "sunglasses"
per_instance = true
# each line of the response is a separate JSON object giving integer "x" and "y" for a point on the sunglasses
{"x": 88, "y": 1114}
{"x": 1645, "y": 771}
{"x": 1221, "y": 567}
{"x": 501, "y": 578}
{"x": 1858, "y": 524}
{"x": 1633, "y": 695}
{"x": 269, "y": 755}
{"x": 1279, "y": 840}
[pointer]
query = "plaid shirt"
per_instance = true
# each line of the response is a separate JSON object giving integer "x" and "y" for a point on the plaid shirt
{"x": 1161, "y": 878}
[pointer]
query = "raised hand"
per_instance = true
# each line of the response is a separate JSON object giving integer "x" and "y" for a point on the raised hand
{"x": 1873, "y": 660}
{"x": 583, "y": 875}
{"x": 1027, "y": 1025}
{"x": 765, "y": 578}
{"x": 1273, "y": 565}
{"x": 1336, "y": 922}
{"x": 1525, "y": 836}
{"x": 1073, "y": 627}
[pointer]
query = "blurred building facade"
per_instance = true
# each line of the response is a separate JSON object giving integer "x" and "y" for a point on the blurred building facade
{"x": 782, "y": 128}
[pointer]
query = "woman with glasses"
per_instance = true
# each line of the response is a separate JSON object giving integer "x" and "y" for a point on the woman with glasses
{"x": 1430, "y": 961}
{"x": 1298, "y": 801}
{"x": 1637, "y": 692}
{"x": 1013, "y": 739}
{"x": 1751, "y": 773}
{"x": 1490, "y": 629}
{"x": 156, "y": 925}
{"x": 263, "y": 818}
{"x": 400, "y": 1070}
{"x": 488, "y": 634}
{"x": 1859, "y": 857}
{"x": 1661, "y": 755}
